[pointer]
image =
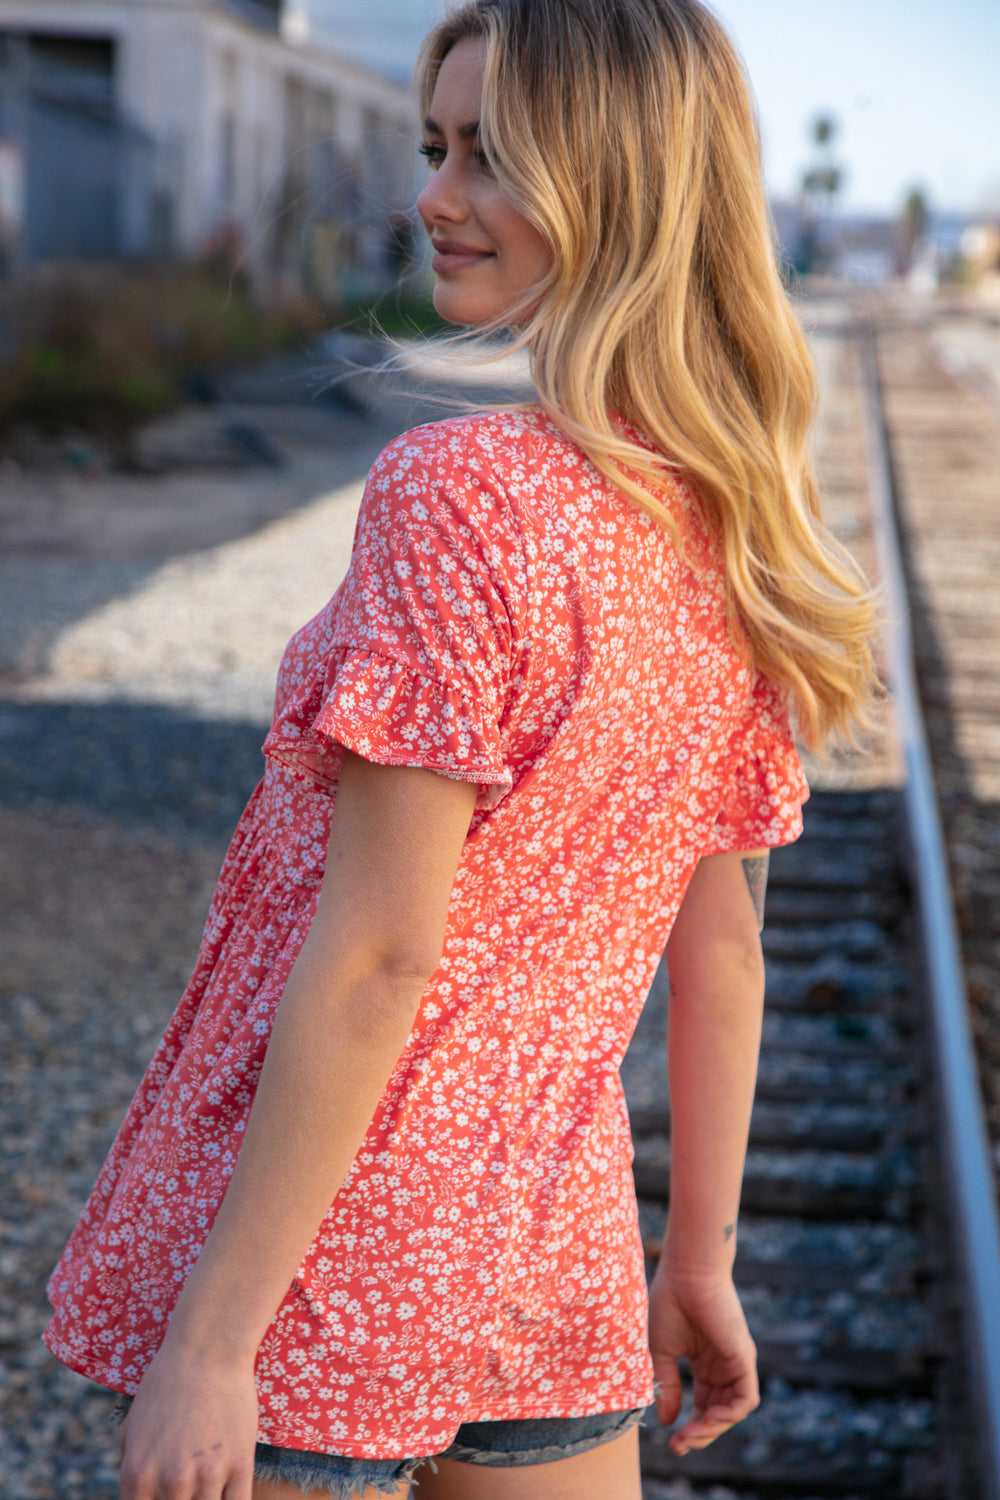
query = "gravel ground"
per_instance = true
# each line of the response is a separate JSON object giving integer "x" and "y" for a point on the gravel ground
{"x": 143, "y": 619}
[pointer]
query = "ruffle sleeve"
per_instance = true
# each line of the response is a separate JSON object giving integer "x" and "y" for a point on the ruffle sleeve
{"x": 395, "y": 716}
{"x": 413, "y": 661}
{"x": 766, "y": 785}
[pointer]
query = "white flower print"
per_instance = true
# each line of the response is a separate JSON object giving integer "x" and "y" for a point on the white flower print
{"x": 508, "y": 619}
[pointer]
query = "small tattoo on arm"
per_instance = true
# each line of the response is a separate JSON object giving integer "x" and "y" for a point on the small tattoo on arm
{"x": 755, "y": 874}
{"x": 728, "y": 1232}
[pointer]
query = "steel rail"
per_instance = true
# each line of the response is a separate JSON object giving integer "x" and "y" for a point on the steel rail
{"x": 976, "y": 1227}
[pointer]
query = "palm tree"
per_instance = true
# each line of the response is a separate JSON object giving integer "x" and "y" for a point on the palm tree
{"x": 914, "y": 223}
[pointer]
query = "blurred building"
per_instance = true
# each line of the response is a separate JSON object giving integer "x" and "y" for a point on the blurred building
{"x": 849, "y": 247}
{"x": 161, "y": 129}
{"x": 865, "y": 248}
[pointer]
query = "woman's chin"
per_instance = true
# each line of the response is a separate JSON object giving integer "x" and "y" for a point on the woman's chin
{"x": 462, "y": 310}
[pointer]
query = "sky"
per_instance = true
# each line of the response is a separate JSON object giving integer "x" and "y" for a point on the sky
{"x": 912, "y": 84}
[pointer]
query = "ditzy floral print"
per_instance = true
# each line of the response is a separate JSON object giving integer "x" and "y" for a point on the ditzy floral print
{"x": 508, "y": 618}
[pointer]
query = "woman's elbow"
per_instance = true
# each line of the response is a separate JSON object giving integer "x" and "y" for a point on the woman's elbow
{"x": 737, "y": 956}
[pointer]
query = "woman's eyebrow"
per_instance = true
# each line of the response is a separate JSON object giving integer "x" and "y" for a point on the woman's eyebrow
{"x": 465, "y": 132}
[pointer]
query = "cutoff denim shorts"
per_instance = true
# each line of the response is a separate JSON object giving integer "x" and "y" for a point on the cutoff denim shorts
{"x": 502, "y": 1445}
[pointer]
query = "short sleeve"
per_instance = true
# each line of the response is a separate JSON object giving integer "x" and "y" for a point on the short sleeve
{"x": 418, "y": 662}
{"x": 762, "y": 801}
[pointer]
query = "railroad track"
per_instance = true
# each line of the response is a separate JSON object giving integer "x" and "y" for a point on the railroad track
{"x": 876, "y": 1346}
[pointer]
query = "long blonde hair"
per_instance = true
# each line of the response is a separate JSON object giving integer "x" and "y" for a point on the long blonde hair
{"x": 624, "y": 130}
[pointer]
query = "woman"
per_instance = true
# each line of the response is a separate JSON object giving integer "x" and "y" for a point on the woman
{"x": 551, "y": 699}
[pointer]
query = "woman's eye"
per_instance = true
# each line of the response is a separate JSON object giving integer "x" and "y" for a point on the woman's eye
{"x": 435, "y": 155}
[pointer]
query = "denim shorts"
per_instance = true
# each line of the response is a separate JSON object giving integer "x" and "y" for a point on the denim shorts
{"x": 501, "y": 1445}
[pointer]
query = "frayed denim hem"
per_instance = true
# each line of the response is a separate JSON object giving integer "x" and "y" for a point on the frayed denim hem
{"x": 314, "y": 1473}
{"x": 545, "y": 1453}
{"x": 499, "y": 1444}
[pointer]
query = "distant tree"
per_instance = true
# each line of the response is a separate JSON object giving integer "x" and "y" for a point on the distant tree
{"x": 916, "y": 213}
{"x": 913, "y": 221}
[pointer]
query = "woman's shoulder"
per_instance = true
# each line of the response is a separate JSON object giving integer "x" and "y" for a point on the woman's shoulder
{"x": 464, "y": 482}
{"x": 474, "y": 442}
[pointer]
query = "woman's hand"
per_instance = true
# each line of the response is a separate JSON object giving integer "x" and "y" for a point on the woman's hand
{"x": 191, "y": 1432}
{"x": 699, "y": 1317}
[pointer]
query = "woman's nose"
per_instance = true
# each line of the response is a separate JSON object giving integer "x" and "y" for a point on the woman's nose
{"x": 441, "y": 198}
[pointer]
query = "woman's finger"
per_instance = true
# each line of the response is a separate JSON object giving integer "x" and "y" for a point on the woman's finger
{"x": 703, "y": 1428}
{"x": 240, "y": 1487}
{"x": 698, "y": 1433}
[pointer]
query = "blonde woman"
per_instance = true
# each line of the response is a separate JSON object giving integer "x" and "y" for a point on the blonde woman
{"x": 370, "y": 1216}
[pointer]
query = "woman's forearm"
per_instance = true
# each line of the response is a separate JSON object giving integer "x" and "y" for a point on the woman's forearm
{"x": 340, "y": 1028}
{"x": 716, "y": 1000}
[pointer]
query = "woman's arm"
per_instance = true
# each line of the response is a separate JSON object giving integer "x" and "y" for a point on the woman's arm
{"x": 716, "y": 1000}
{"x": 345, "y": 1015}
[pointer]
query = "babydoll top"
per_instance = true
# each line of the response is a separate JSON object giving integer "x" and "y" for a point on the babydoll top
{"x": 508, "y": 618}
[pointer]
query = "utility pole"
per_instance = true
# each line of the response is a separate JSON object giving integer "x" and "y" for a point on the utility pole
{"x": 821, "y": 182}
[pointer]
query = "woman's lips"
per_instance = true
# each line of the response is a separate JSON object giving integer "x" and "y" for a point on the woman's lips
{"x": 451, "y": 256}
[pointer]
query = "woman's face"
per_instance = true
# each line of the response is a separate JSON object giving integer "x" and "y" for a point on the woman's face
{"x": 486, "y": 253}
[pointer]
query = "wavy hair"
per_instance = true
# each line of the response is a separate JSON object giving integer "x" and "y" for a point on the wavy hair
{"x": 625, "y": 132}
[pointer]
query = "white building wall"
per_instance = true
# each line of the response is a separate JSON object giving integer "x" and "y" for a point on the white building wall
{"x": 186, "y": 66}
{"x": 165, "y": 76}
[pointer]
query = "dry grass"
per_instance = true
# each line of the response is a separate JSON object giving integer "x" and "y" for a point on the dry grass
{"x": 103, "y": 348}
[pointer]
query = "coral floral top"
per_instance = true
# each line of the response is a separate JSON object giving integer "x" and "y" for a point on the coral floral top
{"x": 510, "y": 619}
